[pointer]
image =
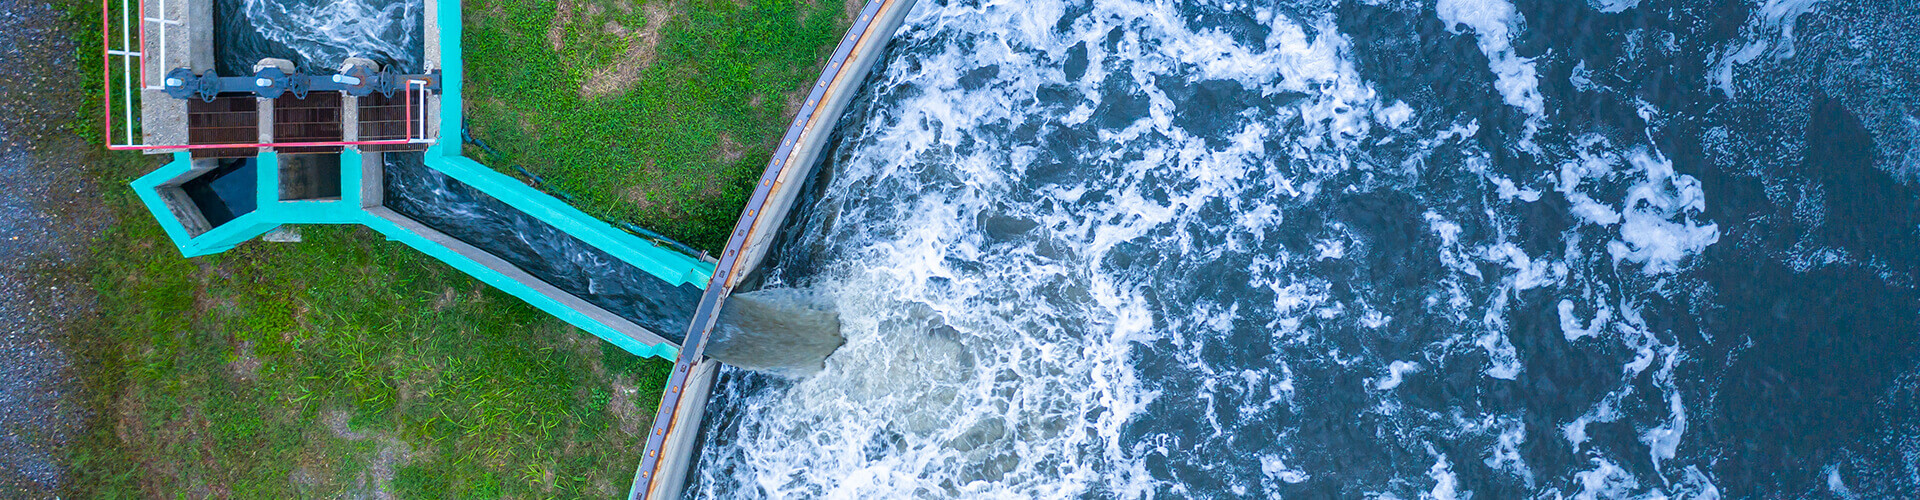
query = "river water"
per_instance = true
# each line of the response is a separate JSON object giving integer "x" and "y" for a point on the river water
{"x": 1364, "y": 248}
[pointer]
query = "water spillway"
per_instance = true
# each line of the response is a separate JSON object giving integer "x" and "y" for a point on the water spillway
{"x": 1378, "y": 249}
{"x": 1605, "y": 249}
{"x": 549, "y": 254}
{"x": 776, "y": 330}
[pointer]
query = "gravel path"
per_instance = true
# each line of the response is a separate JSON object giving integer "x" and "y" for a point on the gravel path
{"x": 49, "y": 211}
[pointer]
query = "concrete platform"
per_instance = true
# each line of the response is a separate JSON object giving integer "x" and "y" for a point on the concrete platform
{"x": 179, "y": 34}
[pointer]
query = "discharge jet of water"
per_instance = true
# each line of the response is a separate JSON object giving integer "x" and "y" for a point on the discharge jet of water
{"x": 781, "y": 330}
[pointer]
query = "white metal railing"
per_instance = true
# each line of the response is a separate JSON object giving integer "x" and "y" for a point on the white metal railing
{"x": 159, "y": 66}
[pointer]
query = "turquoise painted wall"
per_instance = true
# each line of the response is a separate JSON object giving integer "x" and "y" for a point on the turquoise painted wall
{"x": 669, "y": 265}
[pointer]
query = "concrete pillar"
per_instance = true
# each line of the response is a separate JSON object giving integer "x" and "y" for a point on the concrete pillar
{"x": 350, "y": 104}
{"x": 266, "y": 121}
{"x": 349, "y": 118}
{"x": 199, "y": 28}
{"x": 373, "y": 186}
{"x": 431, "y": 30}
{"x": 266, "y": 105}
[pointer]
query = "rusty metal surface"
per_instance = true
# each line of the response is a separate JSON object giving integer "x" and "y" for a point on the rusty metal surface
{"x": 385, "y": 118}
{"x": 226, "y": 120}
{"x": 317, "y": 118}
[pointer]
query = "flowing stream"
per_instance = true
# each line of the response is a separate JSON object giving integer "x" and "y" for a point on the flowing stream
{"x": 1358, "y": 249}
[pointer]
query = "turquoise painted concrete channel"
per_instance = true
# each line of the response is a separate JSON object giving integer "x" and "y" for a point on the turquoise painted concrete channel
{"x": 673, "y": 267}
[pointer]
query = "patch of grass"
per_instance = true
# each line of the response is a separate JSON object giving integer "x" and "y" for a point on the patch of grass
{"x": 677, "y": 147}
{"x": 343, "y": 366}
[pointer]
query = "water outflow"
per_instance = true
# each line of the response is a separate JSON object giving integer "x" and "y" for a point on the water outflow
{"x": 318, "y": 35}
{"x": 1406, "y": 249}
{"x": 781, "y": 330}
{"x": 549, "y": 254}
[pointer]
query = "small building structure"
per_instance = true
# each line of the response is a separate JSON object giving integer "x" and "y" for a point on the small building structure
{"x": 254, "y": 154}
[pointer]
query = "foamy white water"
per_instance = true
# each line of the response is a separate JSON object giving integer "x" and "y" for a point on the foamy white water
{"x": 327, "y": 32}
{"x": 1141, "y": 249}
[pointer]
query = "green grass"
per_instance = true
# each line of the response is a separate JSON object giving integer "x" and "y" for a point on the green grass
{"x": 340, "y": 366}
{"x": 678, "y": 149}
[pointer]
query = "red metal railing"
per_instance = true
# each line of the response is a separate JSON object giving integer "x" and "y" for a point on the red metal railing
{"x": 128, "y": 57}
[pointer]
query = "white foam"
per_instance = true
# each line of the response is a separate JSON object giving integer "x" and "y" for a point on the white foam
{"x": 1613, "y": 6}
{"x": 1493, "y": 23}
{"x": 1838, "y": 486}
{"x": 328, "y": 33}
{"x": 1658, "y": 229}
{"x": 1504, "y": 455}
{"x": 1695, "y": 485}
{"x": 1605, "y": 480}
{"x": 1276, "y": 469}
{"x": 1657, "y": 220}
{"x": 1395, "y": 116}
{"x": 1574, "y": 329}
{"x": 1663, "y": 441}
{"x": 1582, "y": 78}
{"x": 1606, "y": 411}
{"x": 1446, "y": 485}
{"x": 1528, "y": 273}
{"x": 1396, "y": 371}
{"x": 1768, "y": 32}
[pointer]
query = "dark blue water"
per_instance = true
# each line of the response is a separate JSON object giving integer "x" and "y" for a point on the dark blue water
{"x": 226, "y": 192}
{"x": 1340, "y": 249}
{"x": 318, "y": 35}
{"x": 553, "y": 256}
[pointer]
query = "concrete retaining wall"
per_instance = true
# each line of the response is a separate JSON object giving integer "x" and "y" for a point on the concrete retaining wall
{"x": 665, "y": 475}
{"x": 805, "y": 155}
{"x": 681, "y": 447}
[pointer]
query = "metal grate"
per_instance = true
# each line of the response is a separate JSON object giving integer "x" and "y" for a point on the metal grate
{"x": 385, "y": 118}
{"x": 314, "y": 119}
{"x": 226, "y": 120}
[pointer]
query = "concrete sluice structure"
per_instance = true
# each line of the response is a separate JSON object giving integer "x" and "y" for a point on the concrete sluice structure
{"x": 247, "y": 164}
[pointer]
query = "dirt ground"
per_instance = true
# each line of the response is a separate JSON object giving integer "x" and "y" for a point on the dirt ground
{"x": 49, "y": 212}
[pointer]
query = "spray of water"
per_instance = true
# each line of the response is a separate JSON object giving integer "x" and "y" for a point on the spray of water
{"x": 781, "y": 330}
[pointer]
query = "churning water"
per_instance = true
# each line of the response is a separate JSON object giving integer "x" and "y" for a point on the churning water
{"x": 1361, "y": 248}
{"x": 318, "y": 35}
